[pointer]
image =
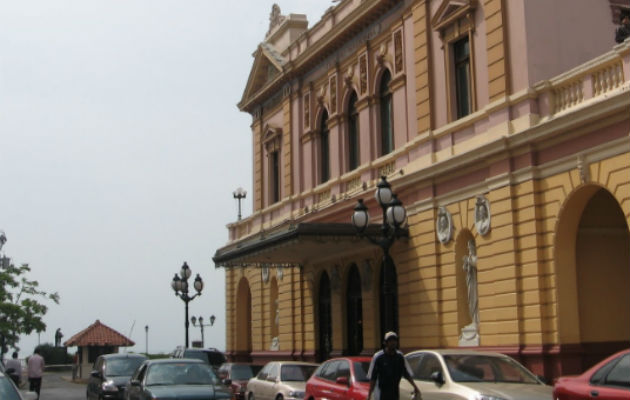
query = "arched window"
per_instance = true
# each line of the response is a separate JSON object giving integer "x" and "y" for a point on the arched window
{"x": 324, "y": 150}
{"x": 353, "y": 133}
{"x": 387, "y": 130}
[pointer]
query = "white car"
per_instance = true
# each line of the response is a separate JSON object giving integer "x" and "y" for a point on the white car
{"x": 280, "y": 380}
{"x": 470, "y": 375}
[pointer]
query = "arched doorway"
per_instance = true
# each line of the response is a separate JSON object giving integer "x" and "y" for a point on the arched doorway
{"x": 243, "y": 321}
{"x": 592, "y": 254}
{"x": 388, "y": 301}
{"x": 324, "y": 318}
{"x": 354, "y": 312}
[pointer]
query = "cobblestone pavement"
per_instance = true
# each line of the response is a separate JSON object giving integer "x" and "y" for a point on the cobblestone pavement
{"x": 57, "y": 386}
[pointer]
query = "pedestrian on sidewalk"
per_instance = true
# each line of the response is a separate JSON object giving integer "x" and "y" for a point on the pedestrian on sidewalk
{"x": 35, "y": 371}
{"x": 15, "y": 365}
{"x": 387, "y": 368}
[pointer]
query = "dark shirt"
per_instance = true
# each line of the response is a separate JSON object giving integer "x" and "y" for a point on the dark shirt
{"x": 387, "y": 370}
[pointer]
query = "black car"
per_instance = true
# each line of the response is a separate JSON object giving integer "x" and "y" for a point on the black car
{"x": 181, "y": 379}
{"x": 210, "y": 356}
{"x": 111, "y": 374}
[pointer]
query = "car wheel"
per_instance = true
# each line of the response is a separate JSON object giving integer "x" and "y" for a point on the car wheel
{"x": 251, "y": 396}
{"x": 279, "y": 397}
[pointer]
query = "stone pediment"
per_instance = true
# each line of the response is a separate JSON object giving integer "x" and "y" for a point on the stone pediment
{"x": 449, "y": 11}
{"x": 267, "y": 66}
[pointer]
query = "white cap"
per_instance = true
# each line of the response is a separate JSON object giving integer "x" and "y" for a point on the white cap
{"x": 391, "y": 335}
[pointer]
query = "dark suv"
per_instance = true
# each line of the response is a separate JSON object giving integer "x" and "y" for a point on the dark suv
{"x": 210, "y": 356}
{"x": 111, "y": 374}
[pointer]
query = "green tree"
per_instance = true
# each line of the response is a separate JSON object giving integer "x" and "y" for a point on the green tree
{"x": 21, "y": 306}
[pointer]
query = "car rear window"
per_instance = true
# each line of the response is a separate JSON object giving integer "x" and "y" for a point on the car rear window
{"x": 122, "y": 366}
{"x": 241, "y": 372}
{"x": 212, "y": 358}
{"x": 296, "y": 373}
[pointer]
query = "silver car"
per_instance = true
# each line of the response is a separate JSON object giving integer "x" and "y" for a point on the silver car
{"x": 471, "y": 375}
{"x": 280, "y": 380}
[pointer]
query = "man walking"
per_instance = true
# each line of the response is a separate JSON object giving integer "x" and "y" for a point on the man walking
{"x": 387, "y": 368}
{"x": 35, "y": 371}
{"x": 15, "y": 366}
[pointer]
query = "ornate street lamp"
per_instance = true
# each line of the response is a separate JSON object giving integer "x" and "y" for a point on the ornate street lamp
{"x": 180, "y": 286}
{"x": 394, "y": 217}
{"x": 194, "y": 320}
{"x": 239, "y": 194}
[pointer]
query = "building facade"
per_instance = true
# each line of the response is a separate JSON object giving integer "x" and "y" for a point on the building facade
{"x": 503, "y": 128}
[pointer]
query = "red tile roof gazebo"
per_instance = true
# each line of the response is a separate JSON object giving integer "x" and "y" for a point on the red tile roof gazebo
{"x": 99, "y": 334}
{"x": 95, "y": 340}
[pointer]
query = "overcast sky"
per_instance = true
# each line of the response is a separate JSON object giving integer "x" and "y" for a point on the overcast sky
{"x": 120, "y": 146}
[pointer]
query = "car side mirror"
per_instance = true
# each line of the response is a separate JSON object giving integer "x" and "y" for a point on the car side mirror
{"x": 9, "y": 371}
{"x": 96, "y": 374}
{"x": 343, "y": 380}
{"x": 227, "y": 381}
{"x": 438, "y": 378}
{"x": 134, "y": 382}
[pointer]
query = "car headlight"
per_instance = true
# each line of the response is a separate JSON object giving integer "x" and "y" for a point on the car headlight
{"x": 296, "y": 394}
{"x": 486, "y": 397}
{"x": 108, "y": 386}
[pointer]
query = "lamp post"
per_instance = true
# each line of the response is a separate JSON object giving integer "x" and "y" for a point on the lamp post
{"x": 194, "y": 321}
{"x": 239, "y": 194}
{"x": 394, "y": 216}
{"x": 146, "y": 339}
{"x": 180, "y": 286}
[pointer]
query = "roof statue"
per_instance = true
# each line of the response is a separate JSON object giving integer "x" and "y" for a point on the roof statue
{"x": 275, "y": 18}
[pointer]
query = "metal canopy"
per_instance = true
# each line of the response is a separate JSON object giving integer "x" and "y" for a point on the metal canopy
{"x": 295, "y": 245}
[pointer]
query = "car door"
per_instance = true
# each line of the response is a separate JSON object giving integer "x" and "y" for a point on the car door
{"x": 255, "y": 385}
{"x": 339, "y": 390}
{"x": 323, "y": 384}
{"x": 94, "y": 382}
{"x": 270, "y": 384}
{"x": 134, "y": 392}
{"x": 616, "y": 383}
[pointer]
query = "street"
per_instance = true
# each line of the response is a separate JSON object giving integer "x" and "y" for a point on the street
{"x": 54, "y": 387}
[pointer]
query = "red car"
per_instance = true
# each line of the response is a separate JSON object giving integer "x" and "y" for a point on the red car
{"x": 608, "y": 380}
{"x": 343, "y": 378}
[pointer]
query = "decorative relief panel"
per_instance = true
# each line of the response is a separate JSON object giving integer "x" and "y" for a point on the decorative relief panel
{"x": 333, "y": 94}
{"x": 363, "y": 74}
{"x": 444, "y": 225}
{"x": 307, "y": 111}
{"x": 398, "y": 52}
{"x": 482, "y": 215}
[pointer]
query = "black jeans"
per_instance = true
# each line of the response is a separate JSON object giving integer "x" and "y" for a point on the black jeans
{"x": 35, "y": 385}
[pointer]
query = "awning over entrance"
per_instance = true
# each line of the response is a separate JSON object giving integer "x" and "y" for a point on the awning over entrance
{"x": 295, "y": 245}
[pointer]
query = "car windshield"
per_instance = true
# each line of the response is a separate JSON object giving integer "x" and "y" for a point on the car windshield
{"x": 122, "y": 366}
{"x": 241, "y": 372}
{"x": 296, "y": 373}
{"x": 484, "y": 368}
{"x": 360, "y": 371}
{"x": 180, "y": 374}
{"x": 7, "y": 391}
